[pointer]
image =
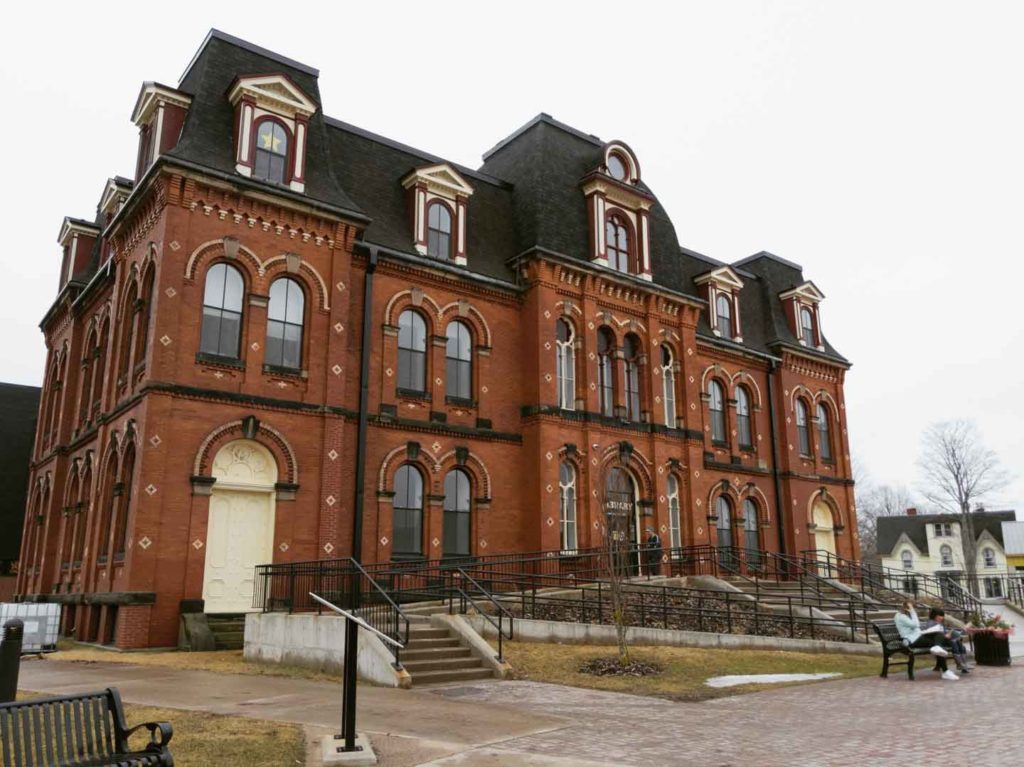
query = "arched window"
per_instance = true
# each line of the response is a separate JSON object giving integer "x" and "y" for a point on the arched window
{"x": 674, "y": 533}
{"x": 439, "y": 230}
{"x": 78, "y": 541}
{"x": 567, "y": 505}
{"x": 285, "y": 316}
{"x": 124, "y": 506}
{"x": 99, "y": 370}
{"x": 716, "y": 406}
{"x": 751, "y": 534}
{"x": 989, "y": 556}
{"x": 108, "y": 508}
{"x": 668, "y": 386}
{"x": 807, "y": 326}
{"x": 743, "y": 430}
{"x": 723, "y": 312}
{"x": 271, "y": 158}
{"x": 71, "y": 521}
{"x": 565, "y": 364}
{"x": 617, "y": 243}
{"x": 907, "y": 558}
{"x": 127, "y": 320}
{"x": 824, "y": 433}
{"x": 412, "y": 352}
{"x": 408, "y": 519}
{"x": 456, "y": 514}
{"x": 84, "y": 392}
{"x": 606, "y": 371}
{"x": 221, "y": 333}
{"x": 946, "y": 555}
{"x": 146, "y": 317}
{"x": 723, "y": 509}
{"x": 802, "y": 432}
{"x": 631, "y": 354}
{"x": 459, "y": 361}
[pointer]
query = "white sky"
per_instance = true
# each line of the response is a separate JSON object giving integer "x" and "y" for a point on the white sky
{"x": 878, "y": 144}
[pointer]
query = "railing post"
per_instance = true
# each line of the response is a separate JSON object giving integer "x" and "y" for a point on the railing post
{"x": 10, "y": 659}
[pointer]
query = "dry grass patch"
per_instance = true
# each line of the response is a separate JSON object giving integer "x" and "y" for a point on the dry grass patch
{"x": 685, "y": 668}
{"x": 218, "y": 661}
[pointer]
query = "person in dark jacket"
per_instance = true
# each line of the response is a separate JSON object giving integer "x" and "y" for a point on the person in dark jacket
{"x": 937, "y": 617}
{"x": 652, "y": 556}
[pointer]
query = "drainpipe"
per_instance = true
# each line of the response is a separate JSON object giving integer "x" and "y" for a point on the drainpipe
{"x": 364, "y": 405}
{"x": 775, "y": 454}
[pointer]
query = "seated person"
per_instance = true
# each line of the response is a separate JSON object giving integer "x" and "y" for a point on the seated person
{"x": 937, "y": 617}
{"x": 909, "y": 628}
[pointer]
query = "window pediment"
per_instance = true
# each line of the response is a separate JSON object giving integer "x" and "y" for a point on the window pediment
{"x": 151, "y": 97}
{"x": 441, "y": 179}
{"x": 275, "y": 93}
{"x": 724, "y": 277}
{"x": 807, "y": 292}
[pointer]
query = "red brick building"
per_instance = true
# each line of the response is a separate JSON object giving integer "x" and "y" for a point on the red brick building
{"x": 530, "y": 325}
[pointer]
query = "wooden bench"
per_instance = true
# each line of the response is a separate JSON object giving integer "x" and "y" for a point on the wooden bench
{"x": 893, "y": 644}
{"x": 86, "y": 730}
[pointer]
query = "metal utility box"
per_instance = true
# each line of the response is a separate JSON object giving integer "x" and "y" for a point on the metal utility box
{"x": 42, "y": 624}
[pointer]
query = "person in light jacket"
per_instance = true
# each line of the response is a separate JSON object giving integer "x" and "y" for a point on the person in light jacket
{"x": 909, "y": 627}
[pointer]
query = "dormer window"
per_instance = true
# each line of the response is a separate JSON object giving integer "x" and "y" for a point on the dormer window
{"x": 617, "y": 167}
{"x": 439, "y": 230}
{"x": 723, "y": 312}
{"x": 159, "y": 114}
{"x": 801, "y": 305}
{"x": 807, "y": 326}
{"x": 617, "y": 237}
{"x": 439, "y": 204}
{"x": 721, "y": 289}
{"x": 271, "y": 152}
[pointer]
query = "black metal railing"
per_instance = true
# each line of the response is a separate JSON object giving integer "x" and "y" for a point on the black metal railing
{"x": 484, "y": 603}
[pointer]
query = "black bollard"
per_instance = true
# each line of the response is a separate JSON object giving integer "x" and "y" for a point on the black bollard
{"x": 10, "y": 659}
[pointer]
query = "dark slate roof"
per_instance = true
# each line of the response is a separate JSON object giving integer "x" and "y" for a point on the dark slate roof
{"x": 19, "y": 406}
{"x": 891, "y": 528}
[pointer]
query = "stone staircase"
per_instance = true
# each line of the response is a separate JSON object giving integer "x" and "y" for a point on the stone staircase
{"x": 228, "y": 630}
{"x": 435, "y": 655}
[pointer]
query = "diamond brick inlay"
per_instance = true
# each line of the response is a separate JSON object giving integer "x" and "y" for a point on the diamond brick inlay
{"x": 145, "y": 543}
{"x": 155, "y": 440}
{"x": 170, "y": 292}
{"x": 165, "y": 340}
{"x": 333, "y": 454}
{"x": 328, "y": 547}
{"x": 336, "y": 370}
{"x": 551, "y": 521}
{"x": 550, "y": 488}
{"x": 175, "y": 245}
{"x": 547, "y": 377}
{"x": 283, "y": 547}
{"x": 331, "y": 500}
{"x": 197, "y": 544}
{"x": 436, "y": 446}
{"x": 483, "y": 544}
{"x": 435, "y": 543}
{"x": 484, "y": 390}
{"x": 340, "y": 286}
{"x": 548, "y": 455}
{"x": 389, "y": 372}
{"x": 338, "y": 327}
{"x": 255, "y": 346}
{"x": 150, "y": 489}
{"x": 384, "y": 541}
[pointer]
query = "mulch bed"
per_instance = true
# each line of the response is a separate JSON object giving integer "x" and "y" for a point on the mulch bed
{"x": 613, "y": 667}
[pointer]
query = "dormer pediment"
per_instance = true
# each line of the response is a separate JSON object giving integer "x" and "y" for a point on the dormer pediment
{"x": 75, "y": 226}
{"x": 904, "y": 541}
{"x": 808, "y": 292}
{"x": 724, "y": 277}
{"x": 114, "y": 195}
{"x": 273, "y": 92}
{"x": 151, "y": 96}
{"x": 441, "y": 179}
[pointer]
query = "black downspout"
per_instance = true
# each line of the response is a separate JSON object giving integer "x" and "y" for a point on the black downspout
{"x": 775, "y": 455}
{"x": 364, "y": 405}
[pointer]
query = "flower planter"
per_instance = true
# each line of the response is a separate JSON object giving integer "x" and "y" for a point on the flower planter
{"x": 991, "y": 647}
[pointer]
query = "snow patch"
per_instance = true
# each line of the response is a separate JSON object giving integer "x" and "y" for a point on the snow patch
{"x": 732, "y": 681}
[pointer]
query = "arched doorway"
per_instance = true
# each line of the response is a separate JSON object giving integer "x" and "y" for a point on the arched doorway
{"x": 240, "y": 530}
{"x": 824, "y": 535}
{"x": 621, "y": 515}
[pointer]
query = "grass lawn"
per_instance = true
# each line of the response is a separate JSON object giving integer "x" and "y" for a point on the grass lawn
{"x": 202, "y": 739}
{"x": 685, "y": 669}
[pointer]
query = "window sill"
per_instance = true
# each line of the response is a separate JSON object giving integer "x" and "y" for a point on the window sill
{"x": 215, "y": 359}
{"x": 398, "y": 557}
{"x": 278, "y": 370}
{"x": 413, "y": 394}
{"x": 719, "y": 443}
{"x": 463, "y": 402}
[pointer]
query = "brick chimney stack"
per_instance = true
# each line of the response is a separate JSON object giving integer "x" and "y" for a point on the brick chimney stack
{"x": 911, "y": 512}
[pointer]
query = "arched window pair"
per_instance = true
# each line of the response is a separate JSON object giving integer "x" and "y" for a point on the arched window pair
{"x": 116, "y": 506}
{"x": 412, "y": 356}
{"x": 751, "y": 532}
{"x": 804, "y": 434}
{"x": 221, "y": 333}
{"x": 631, "y": 351}
{"x": 407, "y": 528}
{"x": 716, "y": 406}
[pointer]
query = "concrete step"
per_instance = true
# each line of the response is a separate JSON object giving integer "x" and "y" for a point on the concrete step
{"x": 454, "y": 675}
{"x": 435, "y": 653}
{"x": 417, "y": 667}
{"x": 425, "y": 644}
{"x": 426, "y": 632}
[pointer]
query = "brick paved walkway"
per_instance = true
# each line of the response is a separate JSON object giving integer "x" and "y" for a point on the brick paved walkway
{"x": 859, "y": 722}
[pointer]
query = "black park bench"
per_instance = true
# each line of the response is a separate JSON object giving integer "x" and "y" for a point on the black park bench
{"x": 892, "y": 644}
{"x": 86, "y": 730}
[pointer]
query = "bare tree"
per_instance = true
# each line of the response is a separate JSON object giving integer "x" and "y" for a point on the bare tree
{"x": 873, "y": 502}
{"x": 616, "y": 564}
{"x": 959, "y": 472}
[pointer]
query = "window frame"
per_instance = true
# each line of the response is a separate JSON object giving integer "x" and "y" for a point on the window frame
{"x": 622, "y": 227}
{"x": 457, "y": 515}
{"x": 632, "y": 351}
{"x": 285, "y": 323}
{"x": 728, "y": 331}
{"x": 824, "y": 429}
{"x": 803, "y": 432}
{"x": 744, "y": 422}
{"x": 807, "y": 330}
{"x": 255, "y": 149}
{"x": 568, "y": 508}
{"x": 457, "y": 365}
{"x": 565, "y": 365}
{"x": 944, "y": 560}
{"x": 606, "y": 372}
{"x": 719, "y": 426}
{"x": 450, "y": 234}
{"x": 668, "y": 386}
{"x": 416, "y": 511}
{"x": 239, "y": 345}
{"x": 988, "y": 557}
{"x": 907, "y": 559}
{"x": 723, "y": 522}
{"x": 412, "y": 353}
{"x": 751, "y": 532}
{"x": 674, "y": 513}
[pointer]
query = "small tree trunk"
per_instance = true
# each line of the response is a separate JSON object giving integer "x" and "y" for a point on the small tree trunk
{"x": 970, "y": 548}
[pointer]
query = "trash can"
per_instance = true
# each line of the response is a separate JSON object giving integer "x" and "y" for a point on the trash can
{"x": 991, "y": 647}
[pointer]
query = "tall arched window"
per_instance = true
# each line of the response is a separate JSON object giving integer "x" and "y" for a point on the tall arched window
{"x": 412, "y": 352}
{"x": 824, "y": 433}
{"x": 108, "y": 508}
{"x": 456, "y": 514}
{"x": 459, "y": 361}
{"x": 802, "y": 432}
{"x": 617, "y": 244}
{"x": 84, "y": 392}
{"x": 71, "y": 520}
{"x": 127, "y": 319}
{"x": 807, "y": 326}
{"x": 146, "y": 317}
{"x": 668, "y": 386}
{"x": 99, "y": 371}
{"x": 565, "y": 364}
{"x": 751, "y": 534}
{"x": 716, "y": 406}
{"x": 743, "y": 431}
{"x": 78, "y": 541}
{"x": 285, "y": 317}
{"x": 606, "y": 370}
{"x": 946, "y": 555}
{"x": 907, "y": 559}
{"x": 631, "y": 355}
{"x": 723, "y": 509}
{"x": 407, "y": 532}
{"x": 271, "y": 158}
{"x": 723, "y": 312}
{"x": 221, "y": 333}
{"x": 439, "y": 230}
{"x": 567, "y": 505}
{"x": 125, "y": 504}
{"x": 674, "y": 533}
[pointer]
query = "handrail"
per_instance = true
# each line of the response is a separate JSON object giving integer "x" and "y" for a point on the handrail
{"x": 395, "y": 613}
{"x": 502, "y": 611}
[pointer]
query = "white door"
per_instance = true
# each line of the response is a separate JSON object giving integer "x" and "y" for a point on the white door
{"x": 240, "y": 526}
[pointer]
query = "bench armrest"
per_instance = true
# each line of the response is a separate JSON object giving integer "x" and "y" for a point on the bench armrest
{"x": 164, "y": 728}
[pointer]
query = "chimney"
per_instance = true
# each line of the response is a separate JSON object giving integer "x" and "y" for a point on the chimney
{"x": 911, "y": 512}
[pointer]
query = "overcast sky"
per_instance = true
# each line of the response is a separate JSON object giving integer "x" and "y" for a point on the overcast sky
{"x": 878, "y": 144}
